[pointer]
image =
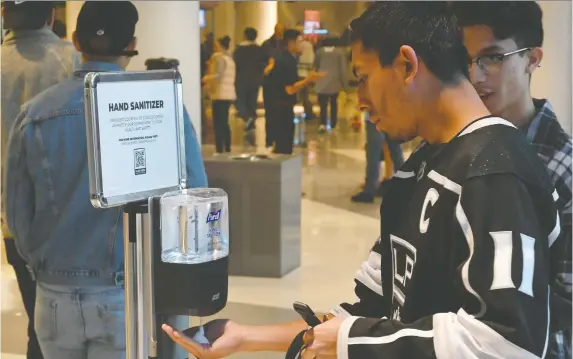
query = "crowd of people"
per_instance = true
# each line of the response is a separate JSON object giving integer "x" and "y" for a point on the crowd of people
{"x": 287, "y": 58}
{"x": 473, "y": 258}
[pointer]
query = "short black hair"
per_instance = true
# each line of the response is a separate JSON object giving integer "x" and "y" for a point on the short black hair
{"x": 518, "y": 20}
{"x": 250, "y": 34}
{"x": 225, "y": 42}
{"x": 27, "y": 15}
{"x": 291, "y": 35}
{"x": 430, "y": 28}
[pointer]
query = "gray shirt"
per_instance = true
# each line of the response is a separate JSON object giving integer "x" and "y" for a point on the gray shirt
{"x": 331, "y": 60}
{"x": 32, "y": 61}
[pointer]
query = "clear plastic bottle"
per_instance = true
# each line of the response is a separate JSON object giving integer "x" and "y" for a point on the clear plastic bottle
{"x": 194, "y": 226}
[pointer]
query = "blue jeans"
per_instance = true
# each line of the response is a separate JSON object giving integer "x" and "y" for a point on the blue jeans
{"x": 80, "y": 323}
{"x": 374, "y": 142}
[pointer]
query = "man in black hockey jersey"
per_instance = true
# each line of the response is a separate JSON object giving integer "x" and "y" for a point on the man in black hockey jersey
{"x": 462, "y": 264}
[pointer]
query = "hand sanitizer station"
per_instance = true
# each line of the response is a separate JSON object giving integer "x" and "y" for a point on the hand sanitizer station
{"x": 176, "y": 240}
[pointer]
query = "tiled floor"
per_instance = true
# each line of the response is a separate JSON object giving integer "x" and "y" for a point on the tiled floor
{"x": 336, "y": 237}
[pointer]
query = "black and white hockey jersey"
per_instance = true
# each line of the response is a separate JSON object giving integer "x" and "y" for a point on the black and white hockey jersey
{"x": 461, "y": 269}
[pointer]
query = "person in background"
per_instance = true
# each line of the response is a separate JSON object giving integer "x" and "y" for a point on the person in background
{"x": 332, "y": 59}
{"x": 250, "y": 64}
{"x": 33, "y": 59}
{"x": 74, "y": 250}
{"x": 378, "y": 147}
{"x": 207, "y": 49}
{"x": 206, "y": 52}
{"x": 272, "y": 47}
{"x": 504, "y": 40}
{"x": 221, "y": 85}
{"x": 284, "y": 83}
{"x": 305, "y": 64}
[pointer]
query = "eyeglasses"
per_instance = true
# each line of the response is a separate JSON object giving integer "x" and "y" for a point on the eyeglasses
{"x": 492, "y": 63}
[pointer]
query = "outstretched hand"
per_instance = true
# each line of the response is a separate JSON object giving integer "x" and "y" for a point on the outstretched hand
{"x": 315, "y": 76}
{"x": 224, "y": 339}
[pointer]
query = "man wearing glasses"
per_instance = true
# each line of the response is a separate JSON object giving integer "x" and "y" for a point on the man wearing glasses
{"x": 504, "y": 40}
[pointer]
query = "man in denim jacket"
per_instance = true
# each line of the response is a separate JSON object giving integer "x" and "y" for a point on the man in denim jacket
{"x": 33, "y": 59}
{"x": 74, "y": 250}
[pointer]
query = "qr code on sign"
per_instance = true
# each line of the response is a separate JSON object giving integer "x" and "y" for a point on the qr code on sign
{"x": 139, "y": 161}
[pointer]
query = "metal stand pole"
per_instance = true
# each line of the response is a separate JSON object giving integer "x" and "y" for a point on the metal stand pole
{"x": 140, "y": 327}
{"x": 141, "y": 298}
{"x": 144, "y": 338}
{"x": 130, "y": 288}
{"x": 147, "y": 271}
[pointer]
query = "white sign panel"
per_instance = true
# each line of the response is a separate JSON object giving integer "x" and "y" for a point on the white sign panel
{"x": 136, "y": 127}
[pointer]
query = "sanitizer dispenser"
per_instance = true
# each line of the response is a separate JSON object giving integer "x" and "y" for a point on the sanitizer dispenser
{"x": 191, "y": 252}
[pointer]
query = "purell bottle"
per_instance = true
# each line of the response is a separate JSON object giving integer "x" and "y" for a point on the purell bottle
{"x": 194, "y": 226}
{"x": 191, "y": 255}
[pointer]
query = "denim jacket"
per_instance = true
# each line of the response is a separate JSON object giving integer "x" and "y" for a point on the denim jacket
{"x": 62, "y": 237}
{"x": 32, "y": 61}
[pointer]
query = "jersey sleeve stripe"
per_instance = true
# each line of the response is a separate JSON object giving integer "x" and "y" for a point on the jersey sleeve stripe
{"x": 343, "y": 334}
{"x": 370, "y": 273}
{"x": 404, "y": 175}
{"x": 489, "y": 121}
{"x": 445, "y": 182}
{"x": 548, "y": 322}
{"x": 392, "y": 337}
{"x": 463, "y": 336}
{"x": 556, "y": 231}
{"x": 555, "y": 195}
{"x": 466, "y": 229}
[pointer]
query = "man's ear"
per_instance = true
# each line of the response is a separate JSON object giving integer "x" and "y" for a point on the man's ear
{"x": 75, "y": 42}
{"x": 535, "y": 57}
{"x": 132, "y": 44}
{"x": 408, "y": 62}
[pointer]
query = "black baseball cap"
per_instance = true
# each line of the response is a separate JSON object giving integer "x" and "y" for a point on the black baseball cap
{"x": 26, "y": 15}
{"x": 105, "y": 28}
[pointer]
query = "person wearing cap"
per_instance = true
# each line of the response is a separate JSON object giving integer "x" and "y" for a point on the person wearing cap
{"x": 33, "y": 59}
{"x": 74, "y": 250}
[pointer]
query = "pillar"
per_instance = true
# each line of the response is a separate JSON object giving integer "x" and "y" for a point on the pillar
{"x": 553, "y": 79}
{"x": 224, "y": 21}
{"x": 171, "y": 29}
{"x": 72, "y": 12}
{"x": 261, "y": 15}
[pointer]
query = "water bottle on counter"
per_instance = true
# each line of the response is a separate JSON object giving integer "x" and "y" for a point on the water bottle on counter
{"x": 194, "y": 226}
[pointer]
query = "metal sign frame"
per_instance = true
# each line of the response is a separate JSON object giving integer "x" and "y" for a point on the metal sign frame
{"x": 97, "y": 196}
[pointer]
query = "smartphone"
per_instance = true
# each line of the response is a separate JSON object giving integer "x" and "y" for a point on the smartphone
{"x": 306, "y": 313}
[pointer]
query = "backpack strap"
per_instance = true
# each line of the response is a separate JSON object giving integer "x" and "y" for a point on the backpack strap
{"x": 296, "y": 347}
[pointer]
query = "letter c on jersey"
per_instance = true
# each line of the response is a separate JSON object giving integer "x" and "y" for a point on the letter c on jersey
{"x": 431, "y": 198}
